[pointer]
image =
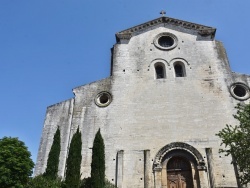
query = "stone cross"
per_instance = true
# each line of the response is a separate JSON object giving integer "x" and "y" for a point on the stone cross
{"x": 162, "y": 13}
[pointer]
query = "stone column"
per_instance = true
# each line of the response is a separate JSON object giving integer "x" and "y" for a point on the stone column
{"x": 203, "y": 177}
{"x": 210, "y": 167}
{"x": 146, "y": 168}
{"x": 119, "y": 168}
{"x": 157, "y": 177}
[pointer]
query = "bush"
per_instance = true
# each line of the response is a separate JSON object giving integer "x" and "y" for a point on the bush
{"x": 86, "y": 183}
{"x": 43, "y": 182}
{"x": 108, "y": 184}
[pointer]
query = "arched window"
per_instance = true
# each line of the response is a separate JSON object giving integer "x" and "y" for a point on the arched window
{"x": 179, "y": 70}
{"x": 159, "y": 71}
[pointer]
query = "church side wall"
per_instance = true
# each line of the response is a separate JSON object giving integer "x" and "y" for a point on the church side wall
{"x": 58, "y": 115}
{"x": 89, "y": 117}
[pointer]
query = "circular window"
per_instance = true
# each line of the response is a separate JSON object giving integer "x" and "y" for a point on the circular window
{"x": 103, "y": 99}
{"x": 165, "y": 41}
{"x": 240, "y": 91}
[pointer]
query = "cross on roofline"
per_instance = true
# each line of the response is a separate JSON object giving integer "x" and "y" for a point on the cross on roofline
{"x": 162, "y": 13}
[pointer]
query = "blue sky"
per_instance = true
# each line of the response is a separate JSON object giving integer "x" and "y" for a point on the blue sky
{"x": 48, "y": 47}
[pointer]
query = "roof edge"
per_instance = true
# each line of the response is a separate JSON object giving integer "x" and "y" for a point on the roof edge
{"x": 202, "y": 29}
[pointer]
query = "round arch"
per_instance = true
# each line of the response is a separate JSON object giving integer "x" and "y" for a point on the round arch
{"x": 157, "y": 60}
{"x": 185, "y": 62}
{"x": 178, "y": 146}
{"x": 182, "y": 152}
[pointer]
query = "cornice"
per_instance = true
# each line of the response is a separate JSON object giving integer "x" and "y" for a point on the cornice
{"x": 201, "y": 29}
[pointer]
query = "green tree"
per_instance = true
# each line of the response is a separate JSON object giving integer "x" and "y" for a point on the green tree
{"x": 53, "y": 159}
{"x": 98, "y": 162}
{"x": 15, "y": 163}
{"x": 237, "y": 142}
{"x": 86, "y": 183}
{"x": 73, "y": 163}
{"x": 44, "y": 182}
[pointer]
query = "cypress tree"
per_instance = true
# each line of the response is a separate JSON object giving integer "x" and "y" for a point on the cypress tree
{"x": 73, "y": 163}
{"x": 98, "y": 162}
{"x": 53, "y": 159}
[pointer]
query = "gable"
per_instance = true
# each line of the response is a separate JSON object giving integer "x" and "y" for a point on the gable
{"x": 203, "y": 31}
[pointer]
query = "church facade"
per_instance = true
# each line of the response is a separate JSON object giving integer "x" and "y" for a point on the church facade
{"x": 170, "y": 91}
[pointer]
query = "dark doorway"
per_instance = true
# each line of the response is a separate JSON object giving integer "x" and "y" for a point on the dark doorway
{"x": 179, "y": 173}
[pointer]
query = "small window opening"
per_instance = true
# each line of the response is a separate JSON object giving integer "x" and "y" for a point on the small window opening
{"x": 104, "y": 98}
{"x": 179, "y": 72}
{"x": 240, "y": 91}
{"x": 159, "y": 70}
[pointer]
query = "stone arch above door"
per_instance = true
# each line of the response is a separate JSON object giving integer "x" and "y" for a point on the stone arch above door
{"x": 178, "y": 146}
{"x": 162, "y": 175}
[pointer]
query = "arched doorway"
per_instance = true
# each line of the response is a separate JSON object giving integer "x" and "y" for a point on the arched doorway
{"x": 179, "y": 165}
{"x": 179, "y": 173}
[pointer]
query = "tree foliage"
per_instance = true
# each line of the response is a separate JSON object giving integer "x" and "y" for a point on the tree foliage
{"x": 43, "y": 182}
{"x": 108, "y": 184}
{"x": 15, "y": 163}
{"x": 53, "y": 159}
{"x": 237, "y": 142}
{"x": 73, "y": 163}
{"x": 86, "y": 183}
{"x": 98, "y": 162}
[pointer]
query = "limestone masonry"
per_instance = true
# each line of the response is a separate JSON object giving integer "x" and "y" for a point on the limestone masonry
{"x": 170, "y": 91}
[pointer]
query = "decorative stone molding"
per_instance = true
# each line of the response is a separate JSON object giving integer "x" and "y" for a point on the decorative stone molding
{"x": 178, "y": 146}
{"x": 201, "y": 29}
{"x": 159, "y": 60}
{"x": 185, "y": 62}
{"x": 165, "y": 34}
{"x": 206, "y": 32}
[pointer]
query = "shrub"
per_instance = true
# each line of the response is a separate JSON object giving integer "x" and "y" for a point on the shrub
{"x": 86, "y": 183}
{"x": 44, "y": 182}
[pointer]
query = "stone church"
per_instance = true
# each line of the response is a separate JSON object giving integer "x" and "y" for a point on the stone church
{"x": 169, "y": 92}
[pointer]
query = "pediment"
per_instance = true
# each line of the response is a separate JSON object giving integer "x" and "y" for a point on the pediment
{"x": 201, "y": 30}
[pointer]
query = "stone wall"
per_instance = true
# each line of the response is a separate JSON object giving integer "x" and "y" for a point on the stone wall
{"x": 146, "y": 113}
